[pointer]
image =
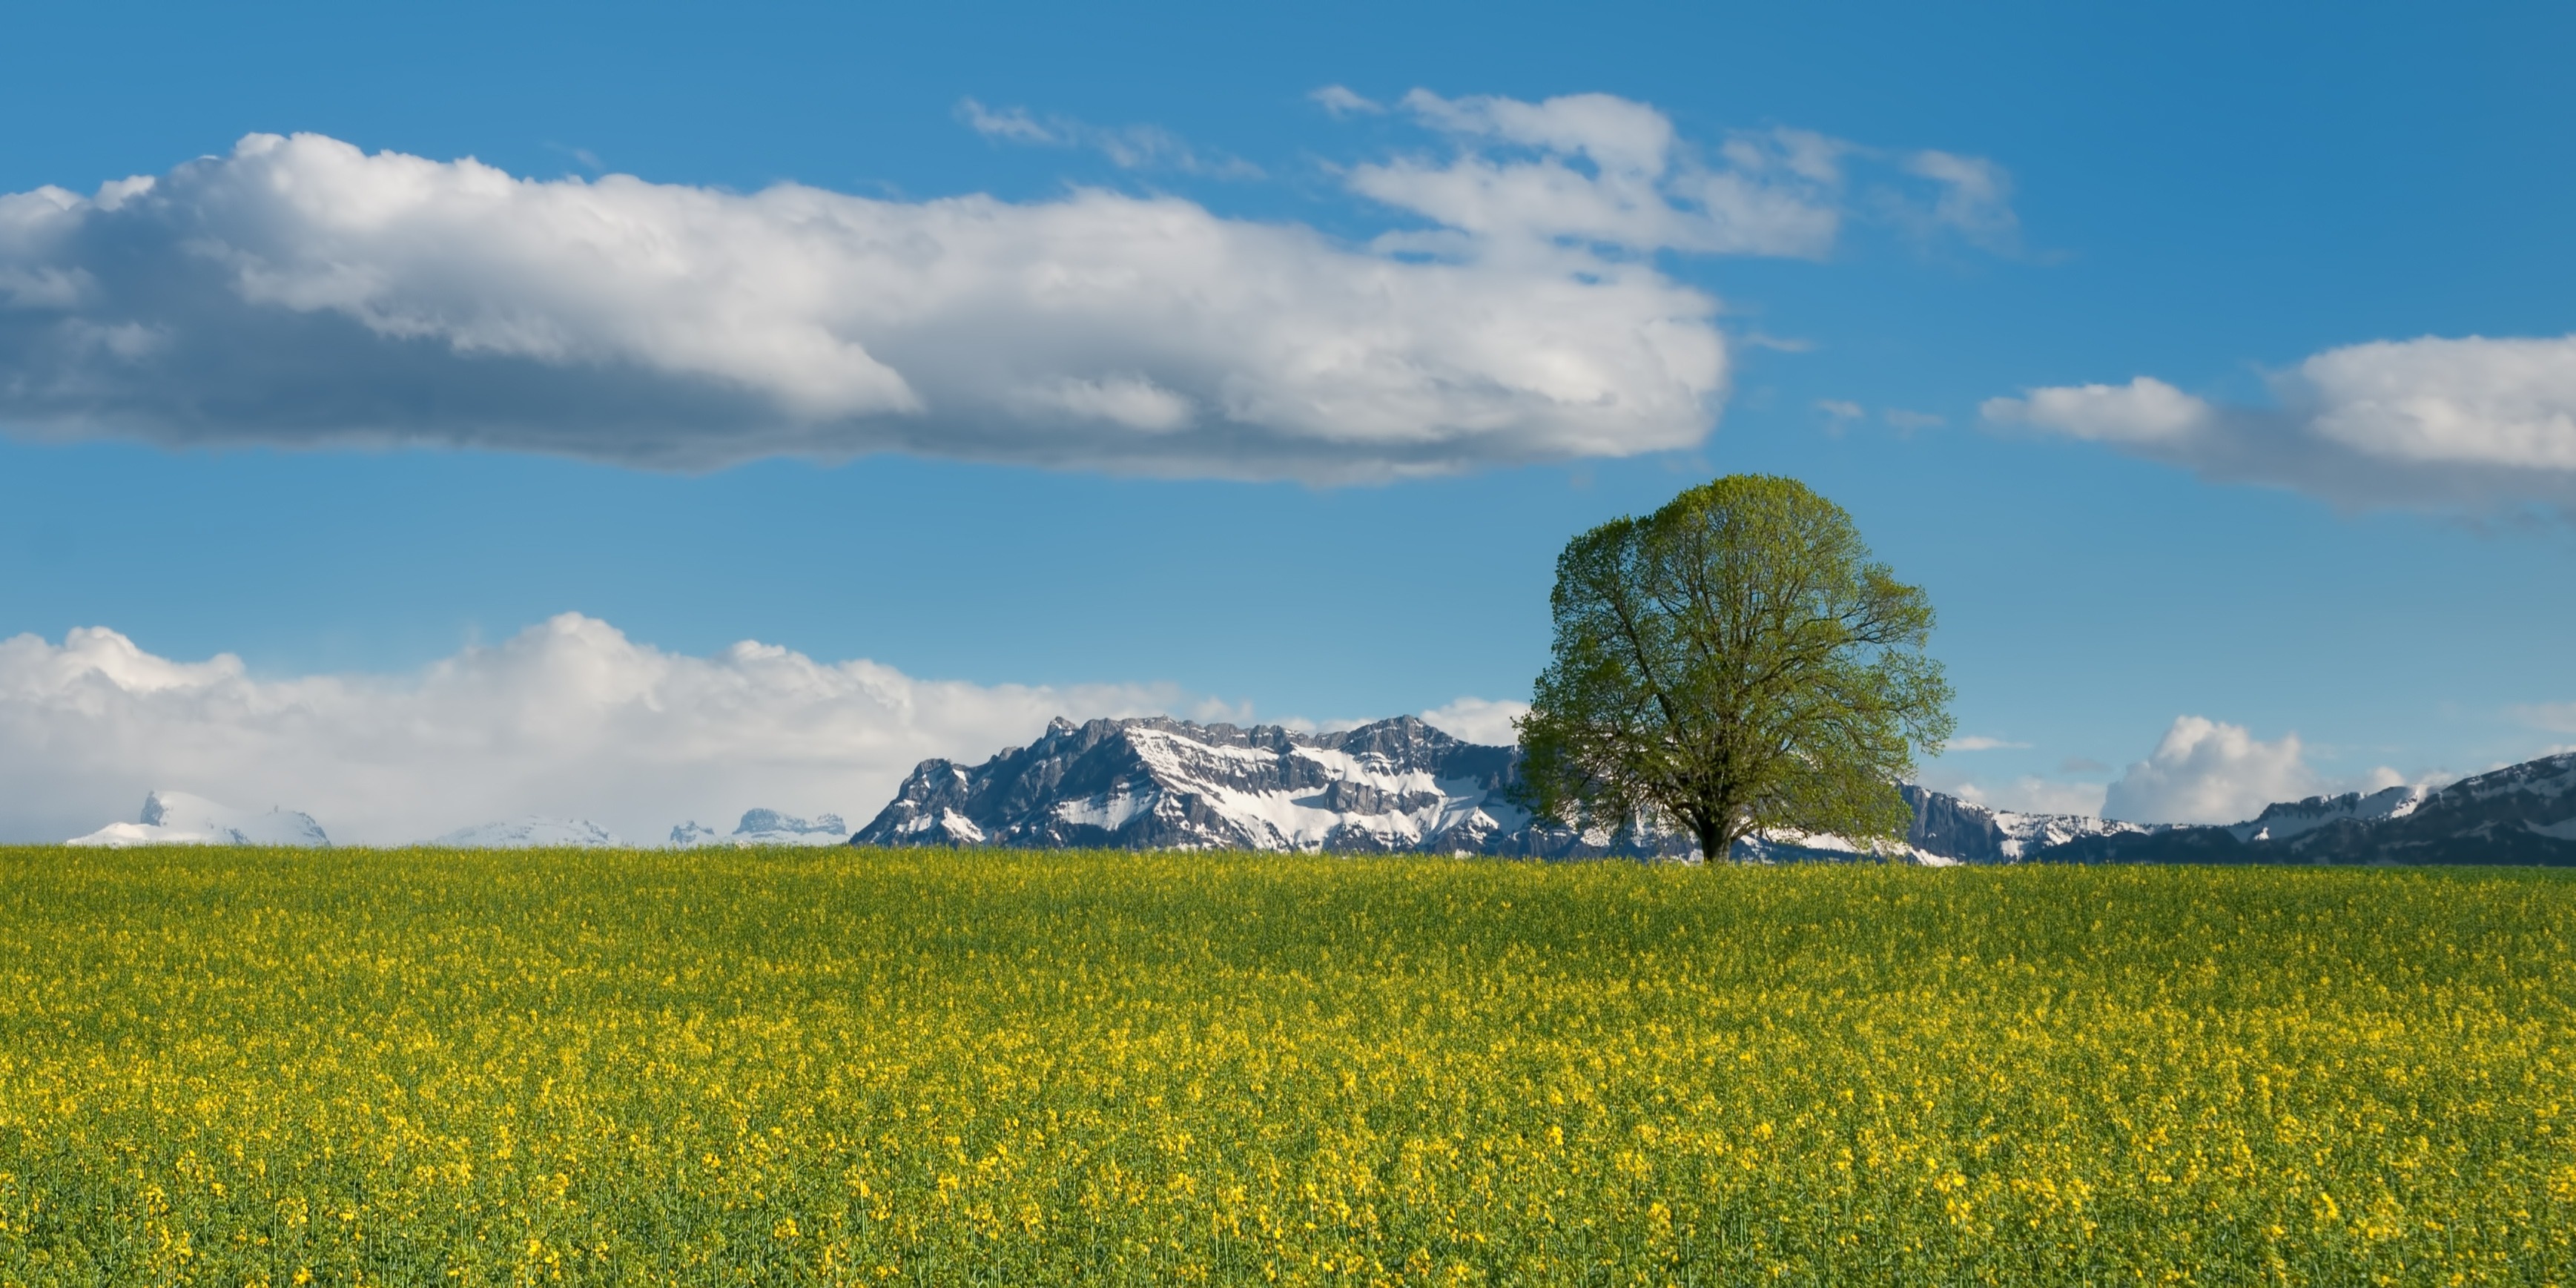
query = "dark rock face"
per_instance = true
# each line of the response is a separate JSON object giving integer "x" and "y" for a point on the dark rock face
{"x": 1948, "y": 826}
{"x": 2522, "y": 814}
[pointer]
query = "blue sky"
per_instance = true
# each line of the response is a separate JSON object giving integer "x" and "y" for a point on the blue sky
{"x": 2265, "y": 212}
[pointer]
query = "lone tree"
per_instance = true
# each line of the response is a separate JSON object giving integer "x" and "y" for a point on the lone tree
{"x": 1734, "y": 662}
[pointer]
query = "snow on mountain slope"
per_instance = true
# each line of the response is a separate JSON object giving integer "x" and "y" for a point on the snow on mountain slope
{"x": 1949, "y": 828}
{"x": 765, "y": 827}
{"x": 2521, "y": 814}
{"x": 1402, "y": 785}
{"x": 1397, "y": 785}
{"x": 178, "y": 818}
{"x": 1158, "y": 783}
{"x": 529, "y": 833}
{"x": 2292, "y": 818}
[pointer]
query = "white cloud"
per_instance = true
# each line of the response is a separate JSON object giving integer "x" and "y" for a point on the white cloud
{"x": 2035, "y": 795}
{"x": 1979, "y": 742}
{"x": 1341, "y": 100}
{"x": 1485, "y": 720}
{"x": 569, "y": 718}
{"x": 1598, "y": 170}
{"x": 1011, "y": 124}
{"x": 1129, "y": 147}
{"x": 1973, "y": 199}
{"x": 2433, "y": 423}
{"x": 2204, "y": 771}
{"x": 2383, "y": 777}
{"x": 2506, "y": 403}
{"x": 1604, "y": 172}
{"x": 2145, "y": 410}
{"x": 300, "y": 292}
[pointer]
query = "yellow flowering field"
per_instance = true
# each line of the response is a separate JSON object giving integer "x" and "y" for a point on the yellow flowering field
{"x": 234, "y": 1067}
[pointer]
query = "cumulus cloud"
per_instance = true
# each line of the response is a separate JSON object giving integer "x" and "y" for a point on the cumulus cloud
{"x": 2204, "y": 771}
{"x": 2144, "y": 411}
{"x": 298, "y": 291}
{"x": 568, "y": 718}
{"x": 1485, "y": 720}
{"x": 2431, "y": 423}
{"x": 1979, "y": 742}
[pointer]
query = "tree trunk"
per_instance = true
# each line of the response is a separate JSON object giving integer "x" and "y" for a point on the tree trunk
{"x": 1715, "y": 846}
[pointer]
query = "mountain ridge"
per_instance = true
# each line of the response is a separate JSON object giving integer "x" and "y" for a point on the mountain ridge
{"x": 1404, "y": 786}
{"x": 1398, "y": 785}
{"x": 2519, "y": 814}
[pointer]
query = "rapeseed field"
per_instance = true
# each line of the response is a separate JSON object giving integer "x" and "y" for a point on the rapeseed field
{"x": 241, "y": 1067}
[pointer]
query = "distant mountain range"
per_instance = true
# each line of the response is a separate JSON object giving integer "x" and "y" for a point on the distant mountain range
{"x": 1403, "y": 786}
{"x": 177, "y": 818}
{"x": 533, "y": 832}
{"x": 2523, "y": 814}
{"x": 764, "y": 827}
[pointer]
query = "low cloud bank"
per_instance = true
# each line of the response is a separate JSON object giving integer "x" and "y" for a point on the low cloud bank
{"x": 2473, "y": 424}
{"x": 567, "y": 718}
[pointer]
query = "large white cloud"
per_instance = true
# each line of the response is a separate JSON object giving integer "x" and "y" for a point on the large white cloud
{"x": 568, "y": 718}
{"x": 2204, "y": 771}
{"x": 2436, "y": 423}
{"x": 300, "y": 291}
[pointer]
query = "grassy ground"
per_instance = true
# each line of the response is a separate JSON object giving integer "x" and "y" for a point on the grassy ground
{"x": 230, "y": 1067}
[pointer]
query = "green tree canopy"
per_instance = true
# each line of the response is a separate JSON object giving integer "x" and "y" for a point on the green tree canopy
{"x": 1734, "y": 662}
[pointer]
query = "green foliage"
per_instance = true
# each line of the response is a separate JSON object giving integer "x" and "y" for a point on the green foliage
{"x": 1734, "y": 662}
{"x": 243, "y": 1067}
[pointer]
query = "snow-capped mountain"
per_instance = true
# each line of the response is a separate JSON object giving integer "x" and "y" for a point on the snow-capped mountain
{"x": 1402, "y": 785}
{"x": 1159, "y": 783}
{"x": 2521, "y": 814}
{"x": 529, "y": 833}
{"x": 177, "y": 818}
{"x": 765, "y": 827}
{"x": 1946, "y": 827}
{"x": 1397, "y": 785}
{"x": 2280, "y": 822}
